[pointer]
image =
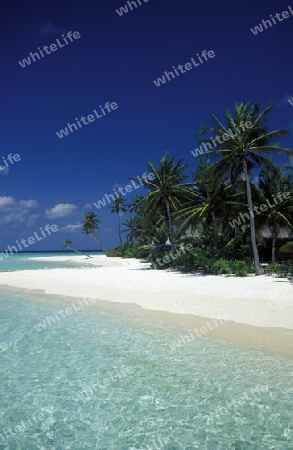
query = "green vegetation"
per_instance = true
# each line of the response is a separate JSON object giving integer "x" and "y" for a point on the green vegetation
{"x": 281, "y": 270}
{"x": 232, "y": 222}
{"x": 245, "y": 151}
{"x": 129, "y": 250}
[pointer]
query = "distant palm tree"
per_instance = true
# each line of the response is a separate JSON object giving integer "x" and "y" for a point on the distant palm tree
{"x": 137, "y": 204}
{"x": 244, "y": 150}
{"x": 118, "y": 207}
{"x": 133, "y": 227}
{"x": 165, "y": 191}
{"x": 69, "y": 244}
{"x": 89, "y": 225}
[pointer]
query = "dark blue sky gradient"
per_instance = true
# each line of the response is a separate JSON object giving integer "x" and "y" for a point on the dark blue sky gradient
{"x": 116, "y": 60}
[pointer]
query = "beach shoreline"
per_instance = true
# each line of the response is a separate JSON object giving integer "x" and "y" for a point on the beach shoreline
{"x": 255, "y": 311}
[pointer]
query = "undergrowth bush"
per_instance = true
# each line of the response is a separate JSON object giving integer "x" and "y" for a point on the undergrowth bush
{"x": 207, "y": 261}
{"x": 238, "y": 268}
{"x": 129, "y": 250}
{"x": 281, "y": 270}
{"x": 210, "y": 264}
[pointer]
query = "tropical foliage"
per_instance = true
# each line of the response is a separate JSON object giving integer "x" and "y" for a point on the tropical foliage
{"x": 248, "y": 140}
{"x": 165, "y": 193}
{"x": 234, "y": 224}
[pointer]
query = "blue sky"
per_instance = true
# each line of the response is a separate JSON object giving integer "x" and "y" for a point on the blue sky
{"x": 116, "y": 59}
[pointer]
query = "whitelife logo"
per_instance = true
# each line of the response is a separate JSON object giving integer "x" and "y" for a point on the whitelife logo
{"x": 22, "y": 426}
{"x": 91, "y": 118}
{"x": 263, "y": 208}
{"x": 128, "y": 188}
{"x": 207, "y": 146}
{"x": 3, "y": 347}
{"x": 188, "y": 66}
{"x": 53, "y": 47}
{"x": 184, "y": 339}
{"x": 31, "y": 240}
{"x": 124, "y": 9}
{"x": 259, "y": 28}
{"x": 64, "y": 313}
{"x": 171, "y": 256}
{"x": 10, "y": 158}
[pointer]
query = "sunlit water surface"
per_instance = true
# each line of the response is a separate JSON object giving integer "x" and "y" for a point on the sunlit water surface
{"x": 99, "y": 380}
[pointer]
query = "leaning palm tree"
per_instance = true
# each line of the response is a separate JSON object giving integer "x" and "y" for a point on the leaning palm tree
{"x": 89, "y": 226}
{"x": 69, "y": 244}
{"x": 245, "y": 137}
{"x": 165, "y": 191}
{"x": 118, "y": 207}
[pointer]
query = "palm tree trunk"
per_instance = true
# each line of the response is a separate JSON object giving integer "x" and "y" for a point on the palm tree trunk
{"x": 258, "y": 269}
{"x": 78, "y": 251}
{"x": 274, "y": 239}
{"x": 119, "y": 228}
{"x": 169, "y": 221}
{"x": 97, "y": 240}
{"x": 215, "y": 230}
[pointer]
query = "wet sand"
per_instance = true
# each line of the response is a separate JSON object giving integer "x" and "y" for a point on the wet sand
{"x": 255, "y": 311}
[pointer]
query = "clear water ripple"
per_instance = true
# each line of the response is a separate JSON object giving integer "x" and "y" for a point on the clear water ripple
{"x": 107, "y": 382}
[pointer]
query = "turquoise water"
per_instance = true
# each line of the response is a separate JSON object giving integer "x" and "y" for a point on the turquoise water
{"x": 22, "y": 261}
{"x": 100, "y": 380}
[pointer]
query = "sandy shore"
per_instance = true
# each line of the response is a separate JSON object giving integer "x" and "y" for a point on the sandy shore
{"x": 188, "y": 300}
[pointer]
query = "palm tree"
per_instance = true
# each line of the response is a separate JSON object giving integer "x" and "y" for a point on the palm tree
{"x": 133, "y": 226}
{"x": 69, "y": 244}
{"x": 248, "y": 137}
{"x": 208, "y": 200}
{"x": 272, "y": 184}
{"x": 89, "y": 225}
{"x": 165, "y": 191}
{"x": 137, "y": 204}
{"x": 119, "y": 207}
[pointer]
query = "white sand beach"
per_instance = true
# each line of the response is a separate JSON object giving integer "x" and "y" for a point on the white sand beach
{"x": 252, "y": 301}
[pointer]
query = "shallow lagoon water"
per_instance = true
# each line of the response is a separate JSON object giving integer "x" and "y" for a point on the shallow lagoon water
{"x": 24, "y": 261}
{"x": 99, "y": 380}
